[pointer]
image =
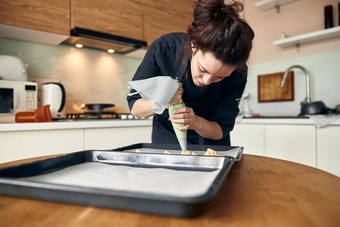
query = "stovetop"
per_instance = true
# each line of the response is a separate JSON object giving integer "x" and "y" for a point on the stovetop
{"x": 102, "y": 116}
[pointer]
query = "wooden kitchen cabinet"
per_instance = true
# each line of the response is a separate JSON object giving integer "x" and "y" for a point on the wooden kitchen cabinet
{"x": 296, "y": 143}
{"x": 328, "y": 156}
{"x": 109, "y": 138}
{"x": 251, "y": 137}
{"x": 42, "y": 15}
{"x": 176, "y": 7}
{"x": 136, "y": 19}
{"x": 17, "y": 145}
{"x": 116, "y": 17}
{"x": 162, "y": 17}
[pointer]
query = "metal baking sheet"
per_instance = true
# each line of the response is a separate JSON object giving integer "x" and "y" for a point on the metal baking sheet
{"x": 149, "y": 182}
{"x": 234, "y": 152}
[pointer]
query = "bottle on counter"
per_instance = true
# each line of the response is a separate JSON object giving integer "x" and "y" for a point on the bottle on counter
{"x": 339, "y": 14}
{"x": 328, "y": 10}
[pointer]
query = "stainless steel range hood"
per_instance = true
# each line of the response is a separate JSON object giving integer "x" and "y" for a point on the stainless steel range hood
{"x": 104, "y": 41}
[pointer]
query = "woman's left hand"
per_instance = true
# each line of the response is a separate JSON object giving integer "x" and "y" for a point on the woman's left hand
{"x": 184, "y": 115}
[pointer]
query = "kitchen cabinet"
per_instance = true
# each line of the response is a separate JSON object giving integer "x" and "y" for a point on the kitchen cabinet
{"x": 118, "y": 17}
{"x": 136, "y": 19}
{"x": 27, "y": 144}
{"x": 24, "y": 143}
{"x": 42, "y": 15}
{"x": 162, "y": 17}
{"x": 176, "y": 7}
{"x": 328, "y": 156}
{"x": 296, "y": 143}
{"x": 109, "y": 138}
{"x": 251, "y": 137}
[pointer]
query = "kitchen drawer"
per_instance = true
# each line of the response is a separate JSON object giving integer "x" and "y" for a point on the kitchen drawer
{"x": 296, "y": 143}
{"x": 249, "y": 136}
{"x": 109, "y": 138}
{"x": 328, "y": 158}
{"x": 27, "y": 144}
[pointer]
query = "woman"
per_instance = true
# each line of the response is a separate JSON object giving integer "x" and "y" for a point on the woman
{"x": 210, "y": 62}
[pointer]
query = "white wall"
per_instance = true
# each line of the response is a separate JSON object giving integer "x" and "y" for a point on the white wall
{"x": 321, "y": 58}
{"x": 296, "y": 18}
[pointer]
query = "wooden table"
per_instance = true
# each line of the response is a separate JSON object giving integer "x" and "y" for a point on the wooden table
{"x": 258, "y": 191}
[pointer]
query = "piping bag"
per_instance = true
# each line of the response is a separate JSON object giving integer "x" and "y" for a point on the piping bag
{"x": 152, "y": 90}
{"x": 181, "y": 135}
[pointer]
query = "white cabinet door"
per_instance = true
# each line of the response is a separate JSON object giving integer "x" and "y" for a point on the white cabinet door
{"x": 328, "y": 148}
{"x": 249, "y": 136}
{"x": 296, "y": 143}
{"x": 109, "y": 138}
{"x": 17, "y": 145}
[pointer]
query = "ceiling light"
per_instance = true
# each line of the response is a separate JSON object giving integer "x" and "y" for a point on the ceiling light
{"x": 111, "y": 51}
{"x": 78, "y": 45}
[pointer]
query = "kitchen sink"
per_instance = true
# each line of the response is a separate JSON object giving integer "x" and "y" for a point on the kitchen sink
{"x": 277, "y": 117}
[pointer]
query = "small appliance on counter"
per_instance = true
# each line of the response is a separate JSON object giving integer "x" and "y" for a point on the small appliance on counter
{"x": 12, "y": 68}
{"x": 16, "y": 93}
{"x": 54, "y": 94}
{"x": 17, "y": 96}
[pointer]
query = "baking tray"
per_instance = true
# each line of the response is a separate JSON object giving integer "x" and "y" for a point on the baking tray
{"x": 149, "y": 182}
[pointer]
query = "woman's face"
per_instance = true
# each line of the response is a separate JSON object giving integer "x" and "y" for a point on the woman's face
{"x": 206, "y": 69}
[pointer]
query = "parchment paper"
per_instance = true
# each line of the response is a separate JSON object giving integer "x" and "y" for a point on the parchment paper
{"x": 161, "y": 181}
{"x": 158, "y": 89}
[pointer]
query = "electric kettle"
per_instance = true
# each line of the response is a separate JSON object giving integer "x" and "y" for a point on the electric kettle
{"x": 53, "y": 94}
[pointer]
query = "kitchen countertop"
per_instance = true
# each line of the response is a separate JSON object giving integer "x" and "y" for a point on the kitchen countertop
{"x": 258, "y": 191}
{"x": 77, "y": 124}
{"x": 317, "y": 120}
{"x": 73, "y": 124}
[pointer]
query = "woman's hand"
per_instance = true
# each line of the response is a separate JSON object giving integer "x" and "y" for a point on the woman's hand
{"x": 207, "y": 129}
{"x": 177, "y": 98}
{"x": 184, "y": 115}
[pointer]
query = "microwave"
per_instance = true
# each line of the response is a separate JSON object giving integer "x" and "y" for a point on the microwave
{"x": 17, "y": 96}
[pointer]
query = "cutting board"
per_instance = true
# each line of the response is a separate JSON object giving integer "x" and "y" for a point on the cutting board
{"x": 269, "y": 87}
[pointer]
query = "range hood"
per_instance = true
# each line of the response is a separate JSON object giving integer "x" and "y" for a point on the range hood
{"x": 103, "y": 41}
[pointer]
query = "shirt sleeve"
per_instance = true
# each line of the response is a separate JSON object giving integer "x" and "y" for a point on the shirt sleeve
{"x": 147, "y": 69}
{"x": 227, "y": 109}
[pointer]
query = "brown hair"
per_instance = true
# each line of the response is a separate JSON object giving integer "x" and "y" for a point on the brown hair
{"x": 218, "y": 28}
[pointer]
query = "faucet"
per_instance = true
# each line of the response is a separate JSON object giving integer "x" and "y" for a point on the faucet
{"x": 307, "y": 99}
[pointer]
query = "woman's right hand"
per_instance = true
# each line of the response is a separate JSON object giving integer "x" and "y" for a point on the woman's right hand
{"x": 177, "y": 98}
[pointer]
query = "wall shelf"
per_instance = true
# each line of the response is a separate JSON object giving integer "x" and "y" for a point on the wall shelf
{"x": 308, "y": 37}
{"x": 269, "y": 4}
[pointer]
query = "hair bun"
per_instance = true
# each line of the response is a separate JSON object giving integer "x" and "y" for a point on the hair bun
{"x": 217, "y": 27}
{"x": 233, "y": 8}
{"x": 217, "y": 8}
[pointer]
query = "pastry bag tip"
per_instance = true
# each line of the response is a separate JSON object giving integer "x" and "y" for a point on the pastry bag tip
{"x": 183, "y": 143}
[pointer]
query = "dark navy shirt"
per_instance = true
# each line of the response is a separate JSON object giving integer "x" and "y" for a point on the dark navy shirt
{"x": 216, "y": 102}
